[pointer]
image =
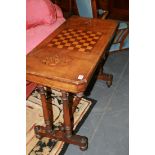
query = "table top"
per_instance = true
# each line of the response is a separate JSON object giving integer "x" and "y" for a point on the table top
{"x": 68, "y": 57}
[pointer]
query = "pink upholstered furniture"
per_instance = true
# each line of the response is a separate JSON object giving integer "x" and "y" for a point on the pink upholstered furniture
{"x": 42, "y": 18}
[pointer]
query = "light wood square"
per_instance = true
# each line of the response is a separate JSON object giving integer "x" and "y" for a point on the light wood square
{"x": 75, "y": 43}
{"x": 50, "y": 45}
{"x": 79, "y": 31}
{"x": 89, "y": 32}
{"x": 64, "y": 31}
{"x": 78, "y": 46}
{"x": 92, "y": 42}
{"x": 82, "y": 49}
{"x": 71, "y": 39}
{"x": 67, "y": 44}
{"x": 76, "y": 35}
{"x": 57, "y": 43}
{"x": 60, "y": 46}
{"x": 96, "y": 38}
{"x": 89, "y": 39}
{"x": 60, "y": 35}
{"x": 89, "y": 47}
{"x": 92, "y": 35}
{"x": 54, "y": 40}
{"x": 86, "y": 36}
{"x": 82, "y": 41}
{"x": 79, "y": 38}
{"x": 62, "y": 38}
{"x": 70, "y": 30}
{"x": 85, "y": 44}
{"x": 70, "y": 48}
{"x": 98, "y": 33}
{"x": 66, "y": 34}
{"x": 83, "y": 33}
{"x": 65, "y": 41}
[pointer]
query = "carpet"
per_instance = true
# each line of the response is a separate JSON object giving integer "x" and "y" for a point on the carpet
{"x": 121, "y": 40}
{"x": 34, "y": 116}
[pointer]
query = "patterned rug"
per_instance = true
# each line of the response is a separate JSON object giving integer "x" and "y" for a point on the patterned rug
{"x": 34, "y": 116}
{"x": 121, "y": 40}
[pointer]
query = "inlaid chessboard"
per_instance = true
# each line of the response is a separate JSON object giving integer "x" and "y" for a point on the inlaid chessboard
{"x": 73, "y": 39}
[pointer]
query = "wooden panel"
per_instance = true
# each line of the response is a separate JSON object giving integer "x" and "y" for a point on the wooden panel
{"x": 119, "y": 9}
{"x": 66, "y": 6}
{"x": 102, "y": 4}
{"x": 121, "y": 4}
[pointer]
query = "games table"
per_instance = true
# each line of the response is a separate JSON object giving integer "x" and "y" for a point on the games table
{"x": 66, "y": 61}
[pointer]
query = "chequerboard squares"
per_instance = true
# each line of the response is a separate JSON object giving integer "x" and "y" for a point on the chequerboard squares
{"x": 73, "y": 39}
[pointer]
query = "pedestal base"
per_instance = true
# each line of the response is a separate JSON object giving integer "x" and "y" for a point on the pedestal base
{"x": 59, "y": 134}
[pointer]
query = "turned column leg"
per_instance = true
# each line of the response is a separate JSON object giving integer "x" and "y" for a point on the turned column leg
{"x": 48, "y": 116}
{"x": 67, "y": 119}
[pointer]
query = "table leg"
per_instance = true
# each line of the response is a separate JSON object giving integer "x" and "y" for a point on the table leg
{"x": 48, "y": 115}
{"x": 67, "y": 118}
{"x": 81, "y": 141}
{"x": 104, "y": 76}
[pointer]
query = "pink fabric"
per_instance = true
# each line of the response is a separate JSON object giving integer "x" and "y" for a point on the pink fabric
{"x": 42, "y": 18}
{"x": 39, "y": 12}
{"x": 58, "y": 11}
{"x": 36, "y": 34}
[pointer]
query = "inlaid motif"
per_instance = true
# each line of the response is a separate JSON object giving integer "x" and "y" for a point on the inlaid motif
{"x": 55, "y": 60}
{"x": 73, "y": 39}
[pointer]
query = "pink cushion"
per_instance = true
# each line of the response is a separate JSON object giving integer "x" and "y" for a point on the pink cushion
{"x": 39, "y": 12}
{"x": 59, "y": 13}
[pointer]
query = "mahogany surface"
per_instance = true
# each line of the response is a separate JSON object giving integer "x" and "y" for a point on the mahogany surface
{"x": 60, "y": 68}
{"x": 66, "y": 60}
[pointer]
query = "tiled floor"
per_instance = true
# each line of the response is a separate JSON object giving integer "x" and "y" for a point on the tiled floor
{"x": 107, "y": 125}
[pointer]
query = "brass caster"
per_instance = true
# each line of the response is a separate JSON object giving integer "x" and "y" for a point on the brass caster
{"x": 109, "y": 83}
{"x": 36, "y": 130}
{"x": 85, "y": 147}
{"x": 61, "y": 127}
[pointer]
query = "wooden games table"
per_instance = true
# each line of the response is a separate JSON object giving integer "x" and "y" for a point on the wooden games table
{"x": 66, "y": 61}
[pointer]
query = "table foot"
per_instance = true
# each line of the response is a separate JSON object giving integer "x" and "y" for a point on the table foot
{"x": 106, "y": 77}
{"x": 60, "y": 134}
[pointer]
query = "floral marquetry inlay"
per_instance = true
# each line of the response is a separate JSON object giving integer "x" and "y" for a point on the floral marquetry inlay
{"x": 56, "y": 60}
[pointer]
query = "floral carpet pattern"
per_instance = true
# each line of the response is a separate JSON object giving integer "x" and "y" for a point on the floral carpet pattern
{"x": 34, "y": 116}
